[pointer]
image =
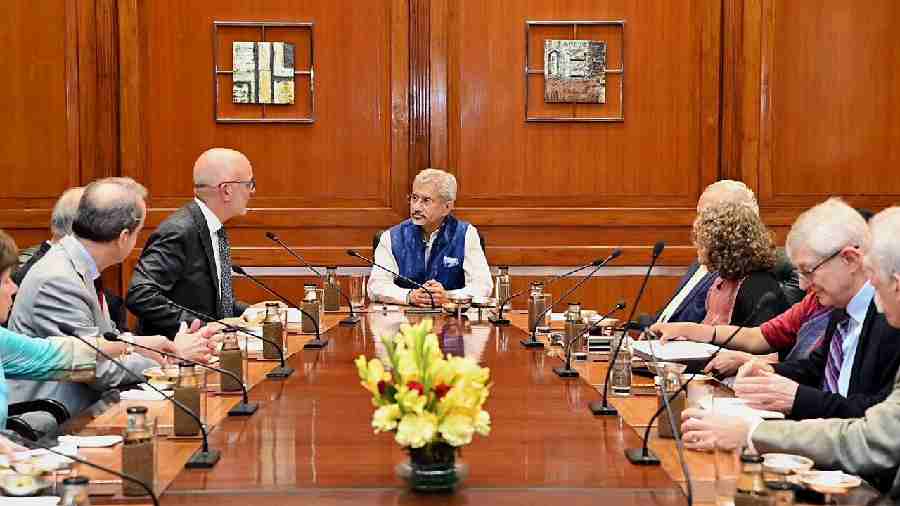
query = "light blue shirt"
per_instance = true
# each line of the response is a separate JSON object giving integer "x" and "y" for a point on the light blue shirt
{"x": 857, "y": 309}
{"x": 92, "y": 271}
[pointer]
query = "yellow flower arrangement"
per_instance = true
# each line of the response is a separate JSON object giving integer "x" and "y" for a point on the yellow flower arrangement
{"x": 424, "y": 396}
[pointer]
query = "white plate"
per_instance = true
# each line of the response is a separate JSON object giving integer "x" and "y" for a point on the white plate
{"x": 93, "y": 441}
{"x": 785, "y": 463}
{"x": 830, "y": 482}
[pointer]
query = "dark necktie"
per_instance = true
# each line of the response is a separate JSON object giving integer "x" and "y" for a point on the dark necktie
{"x": 836, "y": 350}
{"x": 101, "y": 297}
{"x": 226, "y": 299}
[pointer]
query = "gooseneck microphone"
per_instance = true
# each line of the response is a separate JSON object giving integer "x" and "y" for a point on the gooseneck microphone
{"x": 204, "y": 458}
{"x": 351, "y": 319}
{"x": 676, "y": 432}
{"x": 643, "y": 455}
{"x": 532, "y": 341}
{"x": 603, "y": 408}
{"x": 280, "y": 372}
{"x": 434, "y": 308}
{"x": 566, "y": 371}
{"x": 500, "y": 321}
{"x": 33, "y": 445}
{"x": 243, "y": 408}
{"x": 316, "y": 343}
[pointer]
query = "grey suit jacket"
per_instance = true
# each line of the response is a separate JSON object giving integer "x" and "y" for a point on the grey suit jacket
{"x": 58, "y": 289}
{"x": 865, "y": 446}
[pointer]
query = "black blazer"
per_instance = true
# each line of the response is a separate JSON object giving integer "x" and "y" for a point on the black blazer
{"x": 871, "y": 380}
{"x": 177, "y": 263}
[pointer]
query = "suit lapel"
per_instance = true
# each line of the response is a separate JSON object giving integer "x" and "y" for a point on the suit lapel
{"x": 203, "y": 231}
{"x": 862, "y": 345}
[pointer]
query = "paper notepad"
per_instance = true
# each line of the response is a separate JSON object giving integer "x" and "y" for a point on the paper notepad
{"x": 674, "y": 350}
{"x": 732, "y": 406}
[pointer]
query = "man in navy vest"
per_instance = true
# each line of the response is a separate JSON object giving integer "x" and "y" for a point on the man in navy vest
{"x": 432, "y": 247}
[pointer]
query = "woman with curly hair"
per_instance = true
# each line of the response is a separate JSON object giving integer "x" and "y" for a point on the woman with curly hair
{"x": 733, "y": 242}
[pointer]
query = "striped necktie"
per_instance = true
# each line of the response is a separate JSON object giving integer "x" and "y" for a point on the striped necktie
{"x": 836, "y": 350}
{"x": 226, "y": 298}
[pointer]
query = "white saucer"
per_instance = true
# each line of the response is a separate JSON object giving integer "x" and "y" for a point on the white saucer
{"x": 93, "y": 441}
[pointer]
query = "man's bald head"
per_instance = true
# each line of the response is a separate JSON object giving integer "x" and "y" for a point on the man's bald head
{"x": 218, "y": 165}
{"x": 109, "y": 206}
{"x": 727, "y": 191}
{"x": 64, "y": 212}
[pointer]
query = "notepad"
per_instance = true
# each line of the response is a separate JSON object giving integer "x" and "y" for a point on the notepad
{"x": 674, "y": 350}
{"x": 732, "y": 406}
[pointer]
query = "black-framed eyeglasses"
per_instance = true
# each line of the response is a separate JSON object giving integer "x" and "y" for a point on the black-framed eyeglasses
{"x": 251, "y": 185}
{"x": 415, "y": 198}
{"x": 808, "y": 274}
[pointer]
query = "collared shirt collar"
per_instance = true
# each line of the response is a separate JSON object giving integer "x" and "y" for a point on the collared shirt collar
{"x": 212, "y": 221}
{"x": 85, "y": 261}
{"x": 859, "y": 304}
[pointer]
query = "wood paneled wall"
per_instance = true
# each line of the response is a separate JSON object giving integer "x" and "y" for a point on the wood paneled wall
{"x": 798, "y": 100}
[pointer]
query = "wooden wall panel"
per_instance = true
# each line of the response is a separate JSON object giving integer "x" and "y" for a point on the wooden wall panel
{"x": 821, "y": 90}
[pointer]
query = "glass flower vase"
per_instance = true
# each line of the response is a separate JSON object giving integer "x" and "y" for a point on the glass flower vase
{"x": 432, "y": 468}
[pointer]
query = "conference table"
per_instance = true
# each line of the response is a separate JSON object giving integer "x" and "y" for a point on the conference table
{"x": 311, "y": 440}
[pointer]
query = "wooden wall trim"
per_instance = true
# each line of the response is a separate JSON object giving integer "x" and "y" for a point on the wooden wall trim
{"x": 438, "y": 97}
{"x": 73, "y": 113}
{"x": 732, "y": 91}
{"x": 420, "y": 85}
{"x": 131, "y": 138}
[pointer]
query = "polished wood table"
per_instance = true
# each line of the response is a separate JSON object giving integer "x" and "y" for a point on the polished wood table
{"x": 312, "y": 441}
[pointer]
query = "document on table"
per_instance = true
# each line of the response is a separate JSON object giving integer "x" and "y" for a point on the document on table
{"x": 674, "y": 350}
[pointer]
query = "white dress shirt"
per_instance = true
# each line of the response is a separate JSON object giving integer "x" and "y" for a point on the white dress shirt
{"x": 213, "y": 223}
{"x": 381, "y": 287}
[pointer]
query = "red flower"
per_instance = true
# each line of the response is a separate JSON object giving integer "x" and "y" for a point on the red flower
{"x": 382, "y": 387}
{"x": 441, "y": 390}
{"x": 415, "y": 385}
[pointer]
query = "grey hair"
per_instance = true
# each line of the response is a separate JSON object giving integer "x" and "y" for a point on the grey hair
{"x": 64, "y": 212}
{"x": 826, "y": 228}
{"x": 443, "y": 181}
{"x": 884, "y": 246}
{"x": 733, "y": 191}
{"x": 109, "y": 206}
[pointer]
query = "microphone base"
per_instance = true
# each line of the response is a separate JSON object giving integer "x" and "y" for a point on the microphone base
{"x": 499, "y": 322}
{"x": 638, "y": 457}
{"x": 203, "y": 460}
{"x": 598, "y": 409}
{"x": 280, "y": 372}
{"x": 349, "y": 321}
{"x": 531, "y": 343}
{"x": 244, "y": 409}
{"x": 423, "y": 310}
{"x": 316, "y": 344}
{"x": 565, "y": 372}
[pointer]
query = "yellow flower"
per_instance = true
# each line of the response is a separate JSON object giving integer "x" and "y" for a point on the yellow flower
{"x": 372, "y": 374}
{"x": 416, "y": 430}
{"x": 483, "y": 423}
{"x": 457, "y": 429}
{"x": 385, "y": 418}
{"x": 410, "y": 401}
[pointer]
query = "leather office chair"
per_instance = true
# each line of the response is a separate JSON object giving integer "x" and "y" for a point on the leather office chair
{"x": 787, "y": 277}
{"x": 36, "y": 419}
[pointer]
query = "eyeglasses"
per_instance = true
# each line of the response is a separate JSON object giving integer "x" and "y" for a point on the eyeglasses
{"x": 415, "y": 198}
{"x": 251, "y": 185}
{"x": 808, "y": 274}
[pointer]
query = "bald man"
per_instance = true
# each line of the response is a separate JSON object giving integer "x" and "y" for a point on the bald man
{"x": 187, "y": 258}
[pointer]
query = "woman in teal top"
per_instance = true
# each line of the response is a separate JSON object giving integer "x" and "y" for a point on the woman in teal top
{"x": 54, "y": 358}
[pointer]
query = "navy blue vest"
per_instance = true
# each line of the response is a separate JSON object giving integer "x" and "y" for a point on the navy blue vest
{"x": 693, "y": 307}
{"x": 445, "y": 264}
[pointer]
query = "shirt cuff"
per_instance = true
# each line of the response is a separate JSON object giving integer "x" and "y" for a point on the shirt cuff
{"x": 754, "y": 423}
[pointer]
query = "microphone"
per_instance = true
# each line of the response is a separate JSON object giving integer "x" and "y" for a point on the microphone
{"x": 244, "y": 408}
{"x": 603, "y": 408}
{"x": 566, "y": 370}
{"x": 679, "y": 444}
{"x": 532, "y": 341}
{"x": 282, "y": 371}
{"x": 316, "y": 343}
{"x": 499, "y": 321}
{"x": 434, "y": 308}
{"x": 644, "y": 455}
{"x": 204, "y": 458}
{"x": 350, "y": 320}
{"x": 31, "y": 444}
